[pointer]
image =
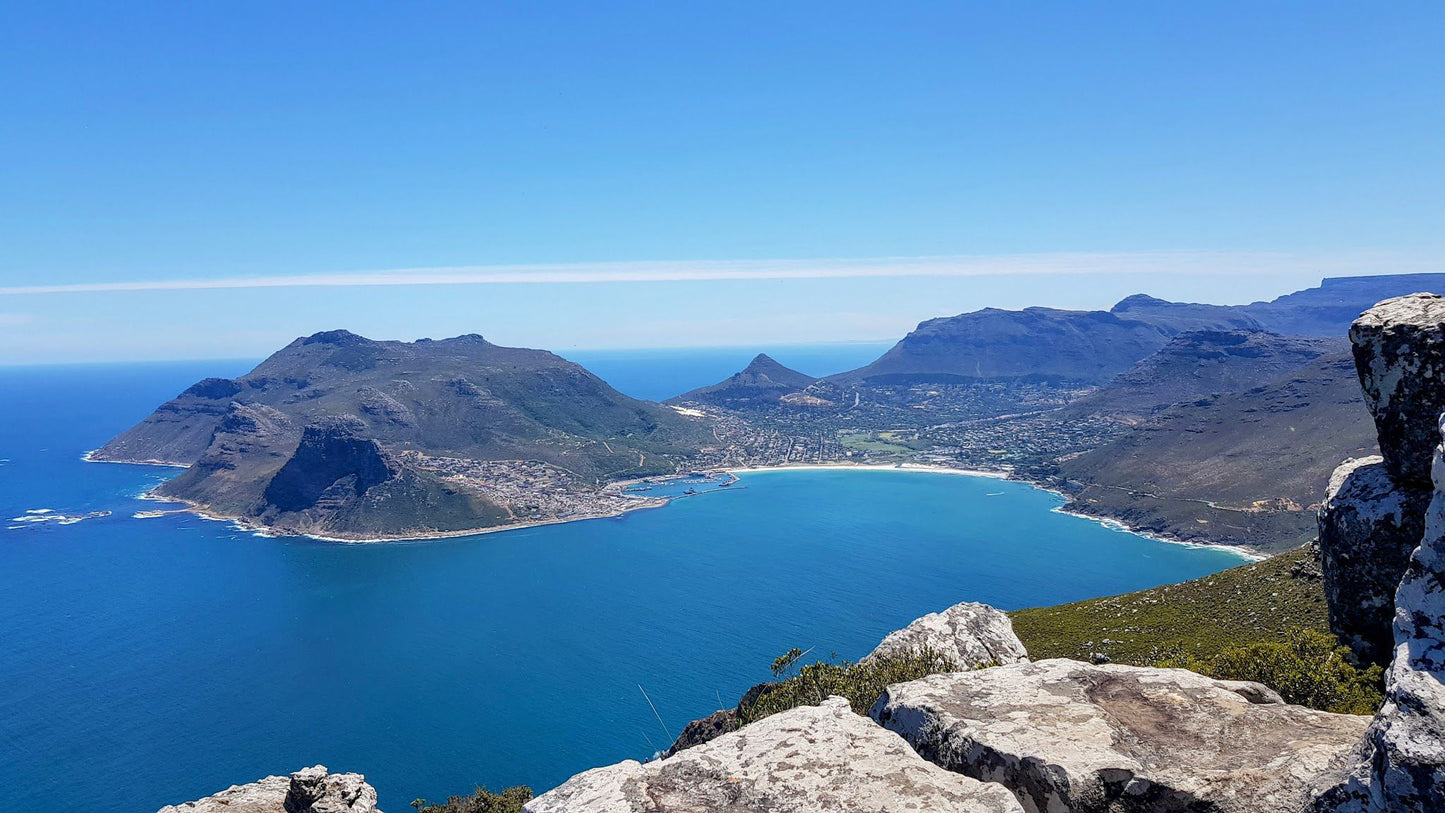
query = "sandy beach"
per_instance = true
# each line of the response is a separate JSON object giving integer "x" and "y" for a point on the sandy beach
{"x": 918, "y": 467}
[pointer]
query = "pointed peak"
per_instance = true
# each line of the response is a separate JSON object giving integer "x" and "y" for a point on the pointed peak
{"x": 763, "y": 359}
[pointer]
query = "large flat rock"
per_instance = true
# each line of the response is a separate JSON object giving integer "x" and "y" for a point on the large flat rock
{"x": 970, "y": 634}
{"x": 813, "y": 759}
{"x": 1069, "y": 736}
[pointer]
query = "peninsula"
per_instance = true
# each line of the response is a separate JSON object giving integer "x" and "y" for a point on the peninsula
{"x": 343, "y": 437}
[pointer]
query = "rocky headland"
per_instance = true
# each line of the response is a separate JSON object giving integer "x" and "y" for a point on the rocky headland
{"x": 340, "y": 436}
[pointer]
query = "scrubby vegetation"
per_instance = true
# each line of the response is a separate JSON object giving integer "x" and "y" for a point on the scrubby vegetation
{"x": 1266, "y": 621}
{"x": 1261, "y": 602}
{"x": 861, "y": 683}
{"x": 482, "y": 801}
{"x": 1309, "y": 668}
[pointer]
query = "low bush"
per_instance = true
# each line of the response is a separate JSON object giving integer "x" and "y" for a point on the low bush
{"x": 482, "y": 801}
{"x": 1260, "y": 602}
{"x": 1309, "y": 668}
{"x": 861, "y": 683}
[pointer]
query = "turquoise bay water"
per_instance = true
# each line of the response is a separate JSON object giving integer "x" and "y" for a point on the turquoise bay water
{"x": 149, "y": 661}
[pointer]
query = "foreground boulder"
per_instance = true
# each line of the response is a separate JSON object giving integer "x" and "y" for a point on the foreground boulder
{"x": 818, "y": 759}
{"x": 970, "y": 634}
{"x": 310, "y": 790}
{"x": 1069, "y": 736}
{"x": 1399, "y": 348}
{"x": 1368, "y": 527}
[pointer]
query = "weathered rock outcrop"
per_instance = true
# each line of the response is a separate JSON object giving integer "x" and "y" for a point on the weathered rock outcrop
{"x": 1399, "y": 348}
{"x": 970, "y": 634}
{"x": 706, "y": 729}
{"x": 818, "y": 759}
{"x": 1402, "y": 760}
{"x": 1369, "y": 525}
{"x": 310, "y": 790}
{"x": 1068, "y": 736}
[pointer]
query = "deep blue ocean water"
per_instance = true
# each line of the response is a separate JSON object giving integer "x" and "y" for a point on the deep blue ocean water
{"x": 150, "y": 661}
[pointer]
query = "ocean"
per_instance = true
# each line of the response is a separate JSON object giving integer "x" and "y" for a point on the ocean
{"x": 150, "y": 661}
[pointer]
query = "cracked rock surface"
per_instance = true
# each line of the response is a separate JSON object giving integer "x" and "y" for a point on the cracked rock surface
{"x": 309, "y": 790}
{"x": 1069, "y": 736}
{"x": 819, "y": 759}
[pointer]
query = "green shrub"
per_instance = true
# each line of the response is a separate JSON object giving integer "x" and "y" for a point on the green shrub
{"x": 861, "y": 683}
{"x": 483, "y": 801}
{"x": 1309, "y": 669}
{"x": 1254, "y": 603}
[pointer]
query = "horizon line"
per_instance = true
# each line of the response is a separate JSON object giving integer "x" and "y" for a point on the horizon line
{"x": 1214, "y": 263}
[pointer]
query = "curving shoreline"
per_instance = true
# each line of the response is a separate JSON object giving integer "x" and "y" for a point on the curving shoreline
{"x": 916, "y": 467}
{"x": 1244, "y": 552}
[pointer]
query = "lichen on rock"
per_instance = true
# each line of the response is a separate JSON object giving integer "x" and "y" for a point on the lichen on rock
{"x": 1368, "y": 527}
{"x": 811, "y": 759}
{"x": 309, "y": 790}
{"x": 1064, "y": 735}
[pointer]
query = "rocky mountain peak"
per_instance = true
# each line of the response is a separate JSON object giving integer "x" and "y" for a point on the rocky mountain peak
{"x": 763, "y": 382}
{"x": 340, "y": 338}
{"x": 1135, "y": 301}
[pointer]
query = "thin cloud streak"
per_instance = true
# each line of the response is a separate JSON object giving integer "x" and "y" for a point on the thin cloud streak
{"x": 1053, "y": 264}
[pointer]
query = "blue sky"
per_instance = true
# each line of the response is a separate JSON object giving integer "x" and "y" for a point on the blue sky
{"x": 212, "y": 179}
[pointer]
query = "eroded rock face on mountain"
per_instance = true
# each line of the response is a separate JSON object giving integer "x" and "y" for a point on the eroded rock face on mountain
{"x": 336, "y": 460}
{"x": 249, "y": 444}
{"x": 819, "y": 759}
{"x": 1069, "y": 736}
{"x": 1399, "y": 348}
{"x": 310, "y": 790}
{"x": 970, "y": 634}
{"x": 1369, "y": 525}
